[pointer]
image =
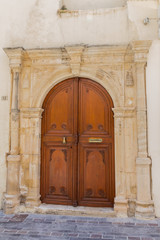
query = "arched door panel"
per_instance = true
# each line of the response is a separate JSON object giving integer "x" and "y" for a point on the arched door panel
{"x": 77, "y": 166}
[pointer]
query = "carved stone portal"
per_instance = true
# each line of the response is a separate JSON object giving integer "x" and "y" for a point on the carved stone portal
{"x": 121, "y": 71}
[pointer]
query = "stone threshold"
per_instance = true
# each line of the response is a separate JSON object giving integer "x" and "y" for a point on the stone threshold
{"x": 68, "y": 210}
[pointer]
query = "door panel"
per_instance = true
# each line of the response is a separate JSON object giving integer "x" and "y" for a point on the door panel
{"x": 77, "y": 164}
{"x": 59, "y": 147}
{"x": 94, "y": 172}
{"x": 59, "y": 108}
{"x": 94, "y": 109}
{"x": 95, "y": 158}
{"x": 58, "y": 172}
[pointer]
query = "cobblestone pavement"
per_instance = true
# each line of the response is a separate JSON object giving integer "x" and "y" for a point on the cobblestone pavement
{"x": 47, "y": 227}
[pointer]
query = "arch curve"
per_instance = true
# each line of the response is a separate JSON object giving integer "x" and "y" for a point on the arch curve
{"x": 44, "y": 90}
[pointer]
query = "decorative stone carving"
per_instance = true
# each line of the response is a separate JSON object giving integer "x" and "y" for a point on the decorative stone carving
{"x": 115, "y": 68}
{"x": 12, "y": 196}
{"x": 144, "y": 204}
{"x": 75, "y": 54}
{"x": 129, "y": 79}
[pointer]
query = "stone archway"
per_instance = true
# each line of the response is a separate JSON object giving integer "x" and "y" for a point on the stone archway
{"x": 121, "y": 71}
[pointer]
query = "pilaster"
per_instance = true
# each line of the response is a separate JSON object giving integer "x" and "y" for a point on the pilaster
{"x": 12, "y": 196}
{"x": 30, "y": 149}
{"x": 121, "y": 201}
{"x": 144, "y": 204}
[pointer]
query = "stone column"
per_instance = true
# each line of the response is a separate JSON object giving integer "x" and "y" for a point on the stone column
{"x": 144, "y": 203}
{"x": 30, "y": 150}
{"x": 121, "y": 203}
{"x": 12, "y": 196}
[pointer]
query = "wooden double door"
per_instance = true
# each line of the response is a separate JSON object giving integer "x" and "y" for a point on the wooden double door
{"x": 77, "y": 149}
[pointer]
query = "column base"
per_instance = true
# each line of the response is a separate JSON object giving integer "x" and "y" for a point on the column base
{"x": 32, "y": 201}
{"x": 11, "y": 203}
{"x": 145, "y": 210}
{"x": 121, "y": 207}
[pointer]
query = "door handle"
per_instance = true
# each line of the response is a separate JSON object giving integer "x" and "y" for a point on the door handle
{"x": 64, "y": 140}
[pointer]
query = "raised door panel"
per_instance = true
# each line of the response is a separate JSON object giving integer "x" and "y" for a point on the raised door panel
{"x": 59, "y": 110}
{"x": 94, "y": 110}
{"x": 95, "y": 188}
{"x": 58, "y": 174}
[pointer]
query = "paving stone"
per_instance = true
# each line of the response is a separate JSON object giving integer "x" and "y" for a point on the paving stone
{"x": 153, "y": 224}
{"x": 84, "y": 235}
{"x": 53, "y": 227}
{"x": 134, "y": 238}
{"x": 108, "y": 237}
{"x": 146, "y": 238}
{"x": 121, "y": 238}
{"x": 18, "y": 218}
{"x": 99, "y": 236}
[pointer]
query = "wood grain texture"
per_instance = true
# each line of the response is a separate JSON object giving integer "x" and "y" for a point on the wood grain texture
{"x": 78, "y": 172}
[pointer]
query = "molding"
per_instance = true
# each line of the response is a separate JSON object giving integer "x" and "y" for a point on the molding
{"x": 124, "y": 112}
{"x": 141, "y": 49}
{"x": 31, "y": 112}
{"x": 92, "y": 12}
{"x": 15, "y": 56}
{"x": 13, "y": 158}
{"x": 143, "y": 161}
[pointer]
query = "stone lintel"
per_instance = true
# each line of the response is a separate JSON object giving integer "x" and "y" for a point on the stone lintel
{"x": 75, "y": 55}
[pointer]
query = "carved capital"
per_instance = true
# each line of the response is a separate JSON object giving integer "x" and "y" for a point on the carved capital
{"x": 75, "y": 54}
{"x": 123, "y": 112}
{"x": 140, "y": 49}
{"x": 143, "y": 161}
{"x": 13, "y": 158}
{"x": 15, "y": 56}
{"x": 31, "y": 112}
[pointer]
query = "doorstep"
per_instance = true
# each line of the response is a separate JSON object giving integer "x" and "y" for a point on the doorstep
{"x": 68, "y": 210}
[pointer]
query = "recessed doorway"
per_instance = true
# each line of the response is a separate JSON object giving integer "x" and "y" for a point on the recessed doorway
{"x": 77, "y": 147}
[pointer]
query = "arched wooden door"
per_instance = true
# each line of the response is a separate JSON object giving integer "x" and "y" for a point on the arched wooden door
{"x": 77, "y": 157}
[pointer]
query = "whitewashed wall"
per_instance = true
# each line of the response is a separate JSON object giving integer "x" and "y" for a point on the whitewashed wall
{"x": 36, "y": 24}
{"x": 92, "y": 4}
{"x": 153, "y": 102}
